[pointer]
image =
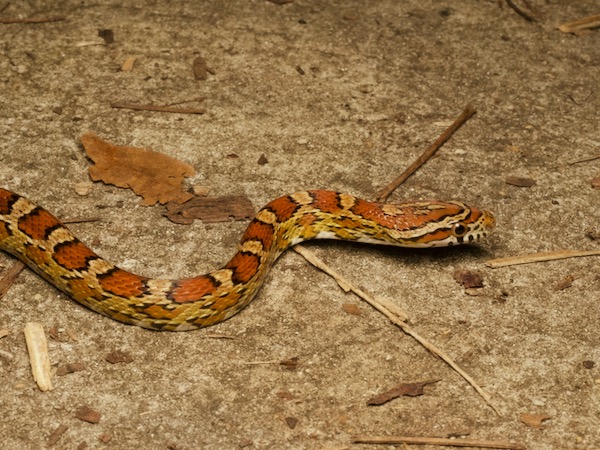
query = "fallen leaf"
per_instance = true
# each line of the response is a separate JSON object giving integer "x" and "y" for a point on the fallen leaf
{"x": 107, "y": 35}
{"x": 565, "y": 283}
{"x": 596, "y": 182}
{"x": 119, "y": 356}
{"x": 105, "y": 438}
{"x": 56, "y": 434}
{"x": 211, "y": 209}
{"x": 588, "y": 364}
{"x": 291, "y": 422}
{"x": 69, "y": 368}
{"x": 406, "y": 389}
{"x": 520, "y": 182}
{"x": 351, "y": 308}
{"x": 87, "y": 414}
{"x": 262, "y": 160}
{"x": 468, "y": 279}
{"x": 201, "y": 70}
{"x": 152, "y": 175}
{"x": 534, "y": 420}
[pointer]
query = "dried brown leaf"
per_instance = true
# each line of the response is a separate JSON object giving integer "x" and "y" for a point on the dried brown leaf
{"x": 119, "y": 356}
{"x": 351, "y": 308}
{"x": 596, "y": 182}
{"x": 520, "y": 181}
{"x": 69, "y": 368}
{"x": 565, "y": 283}
{"x": 534, "y": 420}
{"x": 291, "y": 422}
{"x": 56, "y": 434}
{"x": 87, "y": 414}
{"x": 201, "y": 69}
{"x": 211, "y": 209}
{"x": 152, "y": 175}
{"x": 406, "y": 389}
{"x": 468, "y": 279}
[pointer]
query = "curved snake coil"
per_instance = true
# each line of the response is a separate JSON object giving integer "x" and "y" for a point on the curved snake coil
{"x": 40, "y": 240}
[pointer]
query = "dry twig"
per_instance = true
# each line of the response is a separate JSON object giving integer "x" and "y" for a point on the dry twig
{"x": 391, "y": 440}
{"x": 389, "y": 309}
{"x": 579, "y": 25}
{"x": 539, "y": 257}
{"x": 157, "y": 108}
{"x": 10, "y": 275}
{"x": 33, "y": 19}
{"x": 587, "y": 159}
{"x": 427, "y": 154}
{"x": 396, "y": 316}
{"x": 532, "y": 15}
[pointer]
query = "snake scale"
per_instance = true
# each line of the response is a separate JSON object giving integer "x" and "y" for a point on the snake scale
{"x": 40, "y": 240}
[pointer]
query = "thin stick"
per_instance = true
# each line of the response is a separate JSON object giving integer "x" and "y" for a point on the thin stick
{"x": 158, "y": 108}
{"x": 579, "y": 25}
{"x": 81, "y": 220}
{"x": 10, "y": 275}
{"x": 381, "y": 304}
{"x": 33, "y": 19}
{"x": 427, "y": 154}
{"x": 524, "y": 14}
{"x": 578, "y": 161}
{"x": 539, "y": 257}
{"x": 391, "y": 440}
{"x": 396, "y": 319}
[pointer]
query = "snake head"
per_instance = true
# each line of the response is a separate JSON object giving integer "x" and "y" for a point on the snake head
{"x": 438, "y": 224}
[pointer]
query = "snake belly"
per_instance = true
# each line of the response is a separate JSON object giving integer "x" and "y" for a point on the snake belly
{"x": 40, "y": 240}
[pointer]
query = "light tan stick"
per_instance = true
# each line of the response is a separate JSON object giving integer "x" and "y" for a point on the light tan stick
{"x": 37, "y": 347}
{"x": 438, "y": 441}
{"x": 579, "y": 25}
{"x": 427, "y": 154}
{"x": 380, "y": 304}
{"x": 539, "y": 257}
{"x": 157, "y": 108}
{"x": 397, "y": 319}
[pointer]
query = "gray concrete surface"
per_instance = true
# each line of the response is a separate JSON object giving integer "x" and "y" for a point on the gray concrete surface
{"x": 337, "y": 95}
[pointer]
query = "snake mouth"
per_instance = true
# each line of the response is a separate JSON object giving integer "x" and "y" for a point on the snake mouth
{"x": 488, "y": 223}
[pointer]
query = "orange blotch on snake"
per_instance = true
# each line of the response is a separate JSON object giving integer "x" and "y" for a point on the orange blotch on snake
{"x": 158, "y": 312}
{"x": 122, "y": 283}
{"x": 326, "y": 201}
{"x": 437, "y": 236}
{"x": 372, "y": 211}
{"x": 37, "y": 223}
{"x": 192, "y": 289}
{"x": 244, "y": 266}
{"x": 4, "y": 232}
{"x": 283, "y": 208}
{"x": 73, "y": 255}
{"x": 81, "y": 291}
{"x": 7, "y": 198}
{"x": 37, "y": 255}
{"x": 259, "y": 231}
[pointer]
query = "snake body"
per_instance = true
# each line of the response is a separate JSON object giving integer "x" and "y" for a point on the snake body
{"x": 40, "y": 240}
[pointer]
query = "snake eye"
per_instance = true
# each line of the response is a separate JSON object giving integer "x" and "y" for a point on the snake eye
{"x": 459, "y": 230}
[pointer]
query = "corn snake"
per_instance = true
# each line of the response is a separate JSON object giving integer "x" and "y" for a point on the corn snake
{"x": 40, "y": 240}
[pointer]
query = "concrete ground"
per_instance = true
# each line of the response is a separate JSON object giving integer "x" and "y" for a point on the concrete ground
{"x": 336, "y": 95}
